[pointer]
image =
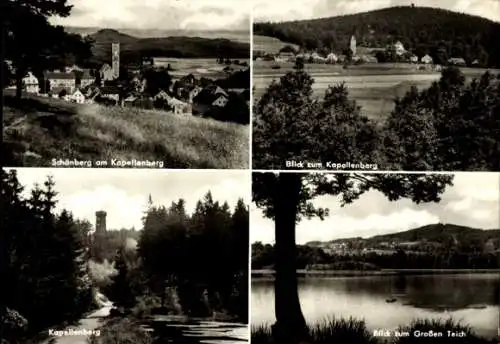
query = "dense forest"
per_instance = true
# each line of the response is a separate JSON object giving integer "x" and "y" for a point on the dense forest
{"x": 440, "y": 246}
{"x": 53, "y": 264}
{"x": 44, "y": 271}
{"x": 440, "y": 33}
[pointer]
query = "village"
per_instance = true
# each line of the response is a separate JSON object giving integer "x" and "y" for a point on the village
{"x": 180, "y": 94}
{"x": 355, "y": 54}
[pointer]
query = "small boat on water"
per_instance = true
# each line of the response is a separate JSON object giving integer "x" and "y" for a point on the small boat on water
{"x": 390, "y": 300}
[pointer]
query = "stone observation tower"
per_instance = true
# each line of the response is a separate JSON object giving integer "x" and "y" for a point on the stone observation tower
{"x": 115, "y": 59}
{"x": 100, "y": 222}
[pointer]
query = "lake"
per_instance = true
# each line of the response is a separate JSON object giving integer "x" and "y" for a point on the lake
{"x": 472, "y": 299}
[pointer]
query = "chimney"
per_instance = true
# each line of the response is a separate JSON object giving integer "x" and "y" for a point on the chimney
{"x": 100, "y": 221}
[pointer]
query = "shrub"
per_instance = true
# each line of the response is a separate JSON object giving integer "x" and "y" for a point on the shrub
{"x": 121, "y": 331}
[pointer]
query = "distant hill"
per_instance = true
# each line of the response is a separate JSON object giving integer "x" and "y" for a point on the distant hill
{"x": 437, "y": 32}
{"x": 133, "y": 49}
{"x": 269, "y": 44}
{"x": 242, "y": 36}
{"x": 438, "y": 233}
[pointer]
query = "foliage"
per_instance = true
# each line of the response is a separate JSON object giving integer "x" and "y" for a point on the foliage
{"x": 45, "y": 270}
{"x": 38, "y": 45}
{"x": 330, "y": 331}
{"x": 288, "y": 124}
{"x": 121, "y": 331}
{"x": 156, "y": 80}
{"x": 449, "y": 126}
{"x": 166, "y": 247}
{"x": 437, "y": 32}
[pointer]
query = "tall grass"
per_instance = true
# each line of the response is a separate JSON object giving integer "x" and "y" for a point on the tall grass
{"x": 339, "y": 330}
{"x": 40, "y": 129}
{"x": 121, "y": 331}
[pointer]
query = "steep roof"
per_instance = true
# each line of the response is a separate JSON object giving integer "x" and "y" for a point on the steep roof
{"x": 59, "y": 76}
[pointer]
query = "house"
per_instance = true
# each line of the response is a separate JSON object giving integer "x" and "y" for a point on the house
{"x": 194, "y": 92}
{"x": 78, "y": 97}
{"x": 110, "y": 92}
{"x": 285, "y": 56}
{"x": 426, "y": 59}
{"x": 475, "y": 62}
{"x": 219, "y": 91}
{"x": 179, "y": 107}
{"x": 130, "y": 101}
{"x": 457, "y": 61}
{"x": 86, "y": 79}
{"x": 221, "y": 101}
{"x": 161, "y": 95}
{"x": 399, "y": 48}
{"x": 61, "y": 80}
{"x": 30, "y": 83}
{"x": 413, "y": 58}
{"x": 106, "y": 73}
{"x": 332, "y": 58}
{"x": 188, "y": 80}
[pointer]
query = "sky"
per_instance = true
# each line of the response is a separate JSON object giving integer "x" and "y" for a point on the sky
{"x": 159, "y": 14}
{"x": 473, "y": 200}
{"x": 265, "y": 10}
{"x": 123, "y": 193}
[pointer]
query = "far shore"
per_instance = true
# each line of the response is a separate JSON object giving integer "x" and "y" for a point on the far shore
{"x": 382, "y": 272}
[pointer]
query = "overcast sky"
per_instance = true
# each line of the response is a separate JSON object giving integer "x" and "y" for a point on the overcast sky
{"x": 283, "y": 10}
{"x": 159, "y": 14}
{"x": 123, "y": 193}
{"x": 472, "y": 201}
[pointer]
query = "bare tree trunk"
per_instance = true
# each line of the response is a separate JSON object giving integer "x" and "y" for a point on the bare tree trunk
{"x": 290, "y": 324}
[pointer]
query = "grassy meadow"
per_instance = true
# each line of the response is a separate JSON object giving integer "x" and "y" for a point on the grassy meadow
{"x": 199, "y": 67}
{"x": 373, "y": 86}
{"x": 37, "y": 130}
{"x": 269, "y": 44}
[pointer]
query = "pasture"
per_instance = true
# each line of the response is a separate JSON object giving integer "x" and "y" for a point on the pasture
{"x": 270, "y": 45}
{"x": 37, "y": 130}
{"x": 199, "y": 67}
{"x": 373, "y": 86}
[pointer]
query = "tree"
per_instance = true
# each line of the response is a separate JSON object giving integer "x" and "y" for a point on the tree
{"x": 120, "y": 291}
{"x": 287, "y": 198}
{"x": 31, "y": 42}
{"x": 157, "y": 81}
{"x": 289, "y": 124}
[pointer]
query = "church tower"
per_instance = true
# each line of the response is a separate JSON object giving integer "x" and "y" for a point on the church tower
{"x": 353, "y": 45}
{"x": 115, "y": 57}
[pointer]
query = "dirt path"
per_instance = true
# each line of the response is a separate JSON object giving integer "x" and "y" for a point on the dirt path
{"x": 91, "y": 322}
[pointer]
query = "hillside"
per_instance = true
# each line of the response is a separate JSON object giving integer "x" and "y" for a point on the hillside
{"x": 437, "y": 32}
{"x": 438, "y": 233}
{"x": 133, "y": 49}
{"x": 36, "y": 130}
{"x": 269, "y": 44}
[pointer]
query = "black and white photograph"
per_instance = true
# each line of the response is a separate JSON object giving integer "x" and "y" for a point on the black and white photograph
{"x": 101, "y": 256}
{"x": 375, "y": 258}
{"x": 388, "y": 85}
{"x": 126, "y": 83}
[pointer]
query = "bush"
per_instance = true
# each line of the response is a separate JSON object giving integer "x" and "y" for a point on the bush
{"x": 121, "y": 331}
{"x": 145, "y": 305}
{"x": 330, "y": 331}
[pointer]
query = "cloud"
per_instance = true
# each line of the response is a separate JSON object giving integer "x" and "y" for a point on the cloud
{"x": 123, "y": 193}
{"x": 298, "y": 9}
{"x": 473, "y": 200}
{"x": 157, "y": 14}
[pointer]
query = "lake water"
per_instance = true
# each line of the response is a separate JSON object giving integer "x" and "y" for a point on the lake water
{"x": 472, "y": 299}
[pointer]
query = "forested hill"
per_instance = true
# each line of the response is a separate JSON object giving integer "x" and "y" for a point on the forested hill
{"x": 421, "y": 29}
{"x": 438, "y": 233}
{"x": 133, "y": 48}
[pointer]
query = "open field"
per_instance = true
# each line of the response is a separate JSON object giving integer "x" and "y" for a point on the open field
{"x": 270, "y": 45}
{"x": 373, "y": 86}
{"x": 199, "y": 67}
{"x": 37, "y": 130}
